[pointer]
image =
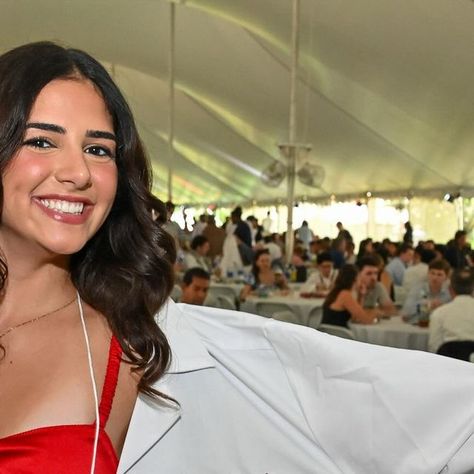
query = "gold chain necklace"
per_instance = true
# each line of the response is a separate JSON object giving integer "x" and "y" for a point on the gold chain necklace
{"x": 37, "y": 318}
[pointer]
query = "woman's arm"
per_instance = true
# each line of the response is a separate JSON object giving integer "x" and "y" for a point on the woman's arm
{"x": 246, "y": 290}
{"x": 358, "y": 313}
{"x": 310, "y": 284}
{"x": 280, "y": 281}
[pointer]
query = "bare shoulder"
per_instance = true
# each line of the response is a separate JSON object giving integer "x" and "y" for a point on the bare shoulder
{"x": 124, "y": 402}
{"x": 345, "y": 295}
{"x": 340, "y": 303}
{"x": 126, "y": 390}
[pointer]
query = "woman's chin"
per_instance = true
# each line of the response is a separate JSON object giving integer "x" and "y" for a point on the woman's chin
{"x": 64, "y": 248}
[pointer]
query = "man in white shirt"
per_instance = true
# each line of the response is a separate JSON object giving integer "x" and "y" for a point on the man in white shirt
{"x": 267, "y": 224}
{"x": 455, "y": 320}
{"x": 197, "y": 256}
{"x": 416, "y": 274}
{"x": 273, "y": 248}
{"x": 305, "y": 234}
{"x": 322, "y": 280}
{"x": 195, "y": 286}
{"x": 199, "y": 226}
{"x": 170, "y": 226}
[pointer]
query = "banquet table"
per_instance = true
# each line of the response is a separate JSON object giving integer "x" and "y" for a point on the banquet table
{"x": 301, "y": 307}
{"x": 393, "y": 332}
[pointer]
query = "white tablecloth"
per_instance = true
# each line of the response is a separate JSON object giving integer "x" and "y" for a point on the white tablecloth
{"x": 301, "y": 307}
{"x": 393, "y": 332}
{"x": 233, "y": 286}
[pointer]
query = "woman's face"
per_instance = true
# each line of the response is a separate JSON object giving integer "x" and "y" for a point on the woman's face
{"x": 61, "y": 184}
{"x": 263, "y": 262}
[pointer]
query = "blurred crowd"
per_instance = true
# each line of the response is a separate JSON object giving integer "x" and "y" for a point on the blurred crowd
{"x": 363, "y": 284}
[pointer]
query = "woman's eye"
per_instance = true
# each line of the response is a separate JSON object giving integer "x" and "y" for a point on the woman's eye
{"x": 39, "y": 142}
{"x": 100, "y": 151}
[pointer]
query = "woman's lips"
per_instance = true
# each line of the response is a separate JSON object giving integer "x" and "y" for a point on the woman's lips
{"x": 72, "y": 210}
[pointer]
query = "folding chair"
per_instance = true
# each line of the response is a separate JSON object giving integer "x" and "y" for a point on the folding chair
{"x": 286, "y": 317}
{"x": 267, "y": 308}
{"x": 224, "y": 302}
{"x": 314, "y": 318}
{"x": 226, "y": 291}
{"x": 462, "y": 350}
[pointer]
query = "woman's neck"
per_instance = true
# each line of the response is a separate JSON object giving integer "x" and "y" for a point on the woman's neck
{"x": 33, "y": 289}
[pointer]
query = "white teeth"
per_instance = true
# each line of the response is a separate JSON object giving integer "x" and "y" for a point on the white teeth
{"x": 65, "y": 207}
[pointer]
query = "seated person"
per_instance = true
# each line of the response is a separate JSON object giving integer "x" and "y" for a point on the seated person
{"x": 340, "y": 306}
{"x": 197, "y": 256}
{"x": 337, "y": 251}
{"x": 314, "y": 250}
{"x": 384, "y": 277}
{"x": 263, "y": 275}
{"x": 350, "y": 257}
{"x": 428, "y": 295}
{"x": 273, "y": 248}
{"x": 195, "y": 286}
{"x": 454, "y": 321}
{"x": 322, "y": 280}
{"x": 417, "y": 274}
{"x": 398, "y": 265}
{"x": 298, "y": 258}
{"x": 370, "y": 292}
{"x": 366, "y": 248}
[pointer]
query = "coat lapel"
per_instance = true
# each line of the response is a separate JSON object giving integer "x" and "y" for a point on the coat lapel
{"x": 152, "y": 419}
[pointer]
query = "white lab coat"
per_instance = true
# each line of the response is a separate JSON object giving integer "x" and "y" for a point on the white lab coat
{"x": 260, "y": 396}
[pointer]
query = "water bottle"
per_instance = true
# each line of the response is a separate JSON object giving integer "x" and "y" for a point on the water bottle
{"x": 262, "y": 291}
{"x": 293, "y": 274}
{"x": 423, "y": 310}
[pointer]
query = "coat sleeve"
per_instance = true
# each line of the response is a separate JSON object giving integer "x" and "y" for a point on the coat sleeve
{"x": 377, "y": 409}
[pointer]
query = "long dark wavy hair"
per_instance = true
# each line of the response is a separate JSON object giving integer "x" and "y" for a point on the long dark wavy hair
{"x": 255, "y": 269}
{"x": 344, "y": 281}
{"x": 125, "y": 270}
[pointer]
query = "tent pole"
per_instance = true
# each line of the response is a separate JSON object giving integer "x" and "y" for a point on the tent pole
{"x": 171, "y": 100}
{"x": 292, "y": 149}
{"x": 460, "y": 212}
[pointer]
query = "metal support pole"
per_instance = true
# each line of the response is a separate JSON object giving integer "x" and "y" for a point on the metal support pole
{"x": 289, "y": 241}
{"x": 460, "y": 212}
{"x": 371, "y": 218}
{"x": 171, "y": 100}
{"x": 292, "y": 150}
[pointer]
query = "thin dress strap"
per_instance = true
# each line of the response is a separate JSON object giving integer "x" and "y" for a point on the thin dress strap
{"x": 110, "y": 383}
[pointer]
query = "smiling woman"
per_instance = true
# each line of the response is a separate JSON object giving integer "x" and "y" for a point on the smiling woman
{"x": 84, "y": 269}
{"x": 64, "y": 171}
{"x": 83, "y": 266}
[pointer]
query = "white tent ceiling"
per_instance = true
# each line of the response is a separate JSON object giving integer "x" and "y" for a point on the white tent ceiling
{"x": 385, "y": 92}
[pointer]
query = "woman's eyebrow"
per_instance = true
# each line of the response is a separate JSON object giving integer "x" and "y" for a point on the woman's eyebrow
{"x": 100, "y": 134}
{"x": 50, "y": 127}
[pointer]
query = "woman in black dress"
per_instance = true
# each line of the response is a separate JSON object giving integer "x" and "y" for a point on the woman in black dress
{"x": 341, "y": 306}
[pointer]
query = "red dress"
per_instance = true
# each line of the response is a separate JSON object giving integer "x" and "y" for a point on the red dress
{"x": 66, "y": 448}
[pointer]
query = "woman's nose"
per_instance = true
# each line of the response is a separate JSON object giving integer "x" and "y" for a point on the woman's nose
{"x": 74, "y": 168}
